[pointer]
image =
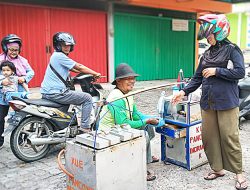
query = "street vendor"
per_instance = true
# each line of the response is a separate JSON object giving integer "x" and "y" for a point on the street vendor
{"x": 219, "y": 70}
{"x": 124, "y": 111}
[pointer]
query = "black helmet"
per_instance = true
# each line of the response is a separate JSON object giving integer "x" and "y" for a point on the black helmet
{"x": 63, "y": 37}
{"x": 10, "y": 38}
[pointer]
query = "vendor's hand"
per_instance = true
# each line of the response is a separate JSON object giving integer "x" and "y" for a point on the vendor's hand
{"x": 152, "y": 121}
{"x": 208, "y": 72}
{"x": 21, "y": 80}
{"x": 6, "y": 82}
{"x": 177, "y": 98}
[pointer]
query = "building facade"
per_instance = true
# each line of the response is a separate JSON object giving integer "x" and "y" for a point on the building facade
{"x": 156, "y": 38}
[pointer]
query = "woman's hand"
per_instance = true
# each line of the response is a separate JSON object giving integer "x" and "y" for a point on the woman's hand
{"x": 152, "y": 121}
{"x": 21, "y": 80}
{"x": 208, "y": 72}
{"x": 177, "y": 98}
{"x": 6, "y": 82}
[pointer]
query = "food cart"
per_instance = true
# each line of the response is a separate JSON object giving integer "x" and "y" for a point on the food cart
{"x": 181, "y": 140}
{"x": 116, "y": 160}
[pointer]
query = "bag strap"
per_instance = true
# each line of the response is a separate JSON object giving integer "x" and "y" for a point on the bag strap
{"x": 59, "y": 76}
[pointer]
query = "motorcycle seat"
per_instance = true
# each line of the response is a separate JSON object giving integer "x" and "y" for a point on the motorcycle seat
{"x": 39, "y": 102}
{"x": 244, "y": 84}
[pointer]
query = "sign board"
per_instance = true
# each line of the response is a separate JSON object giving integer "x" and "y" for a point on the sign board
{"x": 179, "y": 25}
{"x": 196, "y": 148}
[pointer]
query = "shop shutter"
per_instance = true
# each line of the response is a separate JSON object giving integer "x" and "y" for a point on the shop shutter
{"x": 29, "y": 23}
{"x": 37, "y": 25}
{"x": 89, "y": 31}
{"x": 150, "y": 46}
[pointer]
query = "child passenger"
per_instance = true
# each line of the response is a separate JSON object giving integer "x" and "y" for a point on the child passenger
{"x": 8, "y": 70}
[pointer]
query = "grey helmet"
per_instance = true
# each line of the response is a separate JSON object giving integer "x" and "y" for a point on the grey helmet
{"x": 63, "y": 37}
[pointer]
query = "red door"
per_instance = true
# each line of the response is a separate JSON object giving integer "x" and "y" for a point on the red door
{"x": 29, "y": 23}
{"x": 37, "y": 25}
{"x": 89, "y": 31}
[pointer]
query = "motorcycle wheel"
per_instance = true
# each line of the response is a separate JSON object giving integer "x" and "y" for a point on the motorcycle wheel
{"x": 20, "y": 145}
{"x": 247, "y": 117}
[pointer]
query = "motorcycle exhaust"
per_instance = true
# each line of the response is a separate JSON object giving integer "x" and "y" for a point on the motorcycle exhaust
{"x": 42, "y": 141}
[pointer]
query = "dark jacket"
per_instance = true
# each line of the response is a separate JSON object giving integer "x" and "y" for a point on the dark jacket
{"x": 219, "y": 92}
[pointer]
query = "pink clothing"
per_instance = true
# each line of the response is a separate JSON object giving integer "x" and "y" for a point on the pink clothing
{"x": 20, "y": 62}
{"x": 12, "y": 44}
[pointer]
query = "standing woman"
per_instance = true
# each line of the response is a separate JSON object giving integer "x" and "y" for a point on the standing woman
{"x": 219, "y": 70}
{"x": 11, "y": 46}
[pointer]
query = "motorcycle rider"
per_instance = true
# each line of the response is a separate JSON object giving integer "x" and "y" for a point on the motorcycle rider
{"x": 54, "y": 89}
{"x": 11, "y": 46}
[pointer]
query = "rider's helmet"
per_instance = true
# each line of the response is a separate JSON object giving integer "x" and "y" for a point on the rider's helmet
{"x": 65, "y": 38}
{"x": 216, "y": 24}
{"x": 10, "y": 38}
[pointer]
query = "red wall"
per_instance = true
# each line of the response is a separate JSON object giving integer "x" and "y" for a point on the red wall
{"x": 36, "y": 26}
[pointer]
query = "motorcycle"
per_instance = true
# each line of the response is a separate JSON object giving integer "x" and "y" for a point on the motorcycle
{"x": 37, "y": 124}
{"x": 244, "y": 88}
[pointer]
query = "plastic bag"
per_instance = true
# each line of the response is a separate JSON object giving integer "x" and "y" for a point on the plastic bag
{"x": 161, "y": 102}
{"x": 172, "y": 110}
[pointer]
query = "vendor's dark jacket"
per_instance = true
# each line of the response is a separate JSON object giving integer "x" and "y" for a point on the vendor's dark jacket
{"x": 219, "y": 92}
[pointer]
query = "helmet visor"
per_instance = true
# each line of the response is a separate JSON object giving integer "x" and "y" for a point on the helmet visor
{"x": 66, "y": 38}
{"x": 205, "y": 30}
{"x": 69, "y": 43}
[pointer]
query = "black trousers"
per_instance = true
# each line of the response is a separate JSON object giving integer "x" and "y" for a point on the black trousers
{"x": 3, "y": 113}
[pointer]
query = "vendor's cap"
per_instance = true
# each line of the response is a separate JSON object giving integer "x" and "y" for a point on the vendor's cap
{"x": 123, "y": 70}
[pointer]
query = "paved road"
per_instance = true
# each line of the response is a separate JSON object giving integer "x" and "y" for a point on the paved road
{"x": 45, "y": 174}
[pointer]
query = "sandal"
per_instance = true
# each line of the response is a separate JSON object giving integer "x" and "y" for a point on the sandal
{"x": 213, "y": 175}
{"x": 155, "y": 159}
{"x": 150, "y": 176}
{"x": 240, "y": 185}
{"x": 84, "y": 130}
